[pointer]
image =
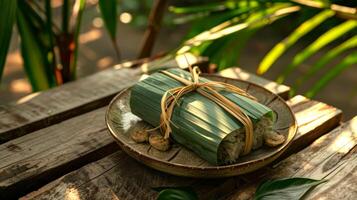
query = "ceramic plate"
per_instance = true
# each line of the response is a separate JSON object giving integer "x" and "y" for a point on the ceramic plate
{"x": 183, "y": 162}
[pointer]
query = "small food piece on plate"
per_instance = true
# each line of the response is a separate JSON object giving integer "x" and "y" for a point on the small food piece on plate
{"x": 273, "y": 139}
{"x": 140, "y": 136}
{"x": 159, "y": 142}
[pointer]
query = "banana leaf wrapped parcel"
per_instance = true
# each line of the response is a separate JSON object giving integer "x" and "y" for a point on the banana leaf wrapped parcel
{"x": 200, "y": 124}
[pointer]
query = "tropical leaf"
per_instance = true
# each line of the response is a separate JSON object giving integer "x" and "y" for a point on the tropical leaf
{"x": 229, "y": 54}
{"x": 51, "y": 46}
{"x": 285, "y": 189}
{"x": 348, "y": 61}
{"x": 213, "y": 7}
{"x": 257, "y": 19}
{"x": 299, "y": 32}
{"x": 33, "y": 57}
{"x": 209, "y": 7}
{"x": 322, "y": 41}
{"x": 333, "y": 53}
{"x": 39, "y": 25}
{"x": 7, "y": 19}
{"x": 176, "y": 193}
{"x": 76, "y": 25}
{"x": 213, "y": 20}
{"x": 108, "y": 9}
{"x": 65, "y": 16}
{"x": 346, "y": 12}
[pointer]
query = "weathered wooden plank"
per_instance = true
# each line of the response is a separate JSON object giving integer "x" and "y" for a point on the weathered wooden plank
{"x": 238, "y": 73}
{"x": 312, "y": 117}
{"x": 43, "y": 109}
{"x": 52, "y": 106}
{"x": 40, "y": 110}
{"x": 41, "y": 156}
{"x": 119, "y": 176}
{"x": 332, "y": 157}
{"x": 342, "y": 181}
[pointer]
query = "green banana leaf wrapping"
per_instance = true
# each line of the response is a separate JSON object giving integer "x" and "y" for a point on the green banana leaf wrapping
{"x": 198, "y": 123}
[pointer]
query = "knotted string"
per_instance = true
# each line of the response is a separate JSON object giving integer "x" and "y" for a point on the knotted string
{"x": 210, "y": 91}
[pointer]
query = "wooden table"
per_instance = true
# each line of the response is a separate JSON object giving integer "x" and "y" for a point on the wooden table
{"x": 55, "y": 145}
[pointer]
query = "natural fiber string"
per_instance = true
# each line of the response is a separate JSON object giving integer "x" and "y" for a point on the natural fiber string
{"x": 210, "y": 91}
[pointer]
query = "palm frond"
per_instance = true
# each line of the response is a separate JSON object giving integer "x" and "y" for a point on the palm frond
{"x": 343, "y": 11}
{"x": 229, "y": 54}
{"x": 213, "y": 7}
{"x": 298, "y": 33}
{"x": 215, "y": 19}
{"x": 328, "y": 57}
{"x": 348, "y": 61}
{"x": 323, "y": 40}
{"x": 257, "y": 19}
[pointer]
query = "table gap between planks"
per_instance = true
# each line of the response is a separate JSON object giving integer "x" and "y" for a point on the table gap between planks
{"x": 57, "y": 141}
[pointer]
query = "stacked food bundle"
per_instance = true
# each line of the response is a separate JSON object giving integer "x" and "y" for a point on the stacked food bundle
{"x": 197, "y": 122}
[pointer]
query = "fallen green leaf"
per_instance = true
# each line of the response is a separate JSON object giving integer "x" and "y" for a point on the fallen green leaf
{"x": 176, "y": 193}
{"x": 289, "y": 189}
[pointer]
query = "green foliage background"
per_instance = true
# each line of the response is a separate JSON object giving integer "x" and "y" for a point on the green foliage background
{"x": 222, "y": 29}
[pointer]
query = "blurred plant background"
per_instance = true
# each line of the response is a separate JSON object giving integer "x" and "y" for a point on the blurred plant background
{"x": 307, "y": 44}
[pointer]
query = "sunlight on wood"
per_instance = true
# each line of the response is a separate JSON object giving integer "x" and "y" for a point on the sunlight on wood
{"x": 354, "y": 126}
{"x": 27, "y": 98}
{"x": 72, "y": 194}
{"x": 90, "y": 36}
{"x": 346, "y": 139}
{"x": 241, "y": 74}
{"x": 315, "y": 110}
{"x": 20, "y": 86}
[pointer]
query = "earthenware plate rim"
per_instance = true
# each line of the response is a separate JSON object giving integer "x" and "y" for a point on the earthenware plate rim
{"x": 268, "y": 158}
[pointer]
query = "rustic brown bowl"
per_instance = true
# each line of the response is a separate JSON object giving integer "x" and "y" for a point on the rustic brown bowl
{"x": 181, "y": 161}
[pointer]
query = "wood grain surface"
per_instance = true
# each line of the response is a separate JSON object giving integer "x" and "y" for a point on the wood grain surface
{"x": 120, "y": 177}
{"x": 39, "y": 157}
{"x": 43, "y": 109}
{"x": 238, "y": 73}
{"x": 332, "y": 157}
{"x": 55, "y": 105}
